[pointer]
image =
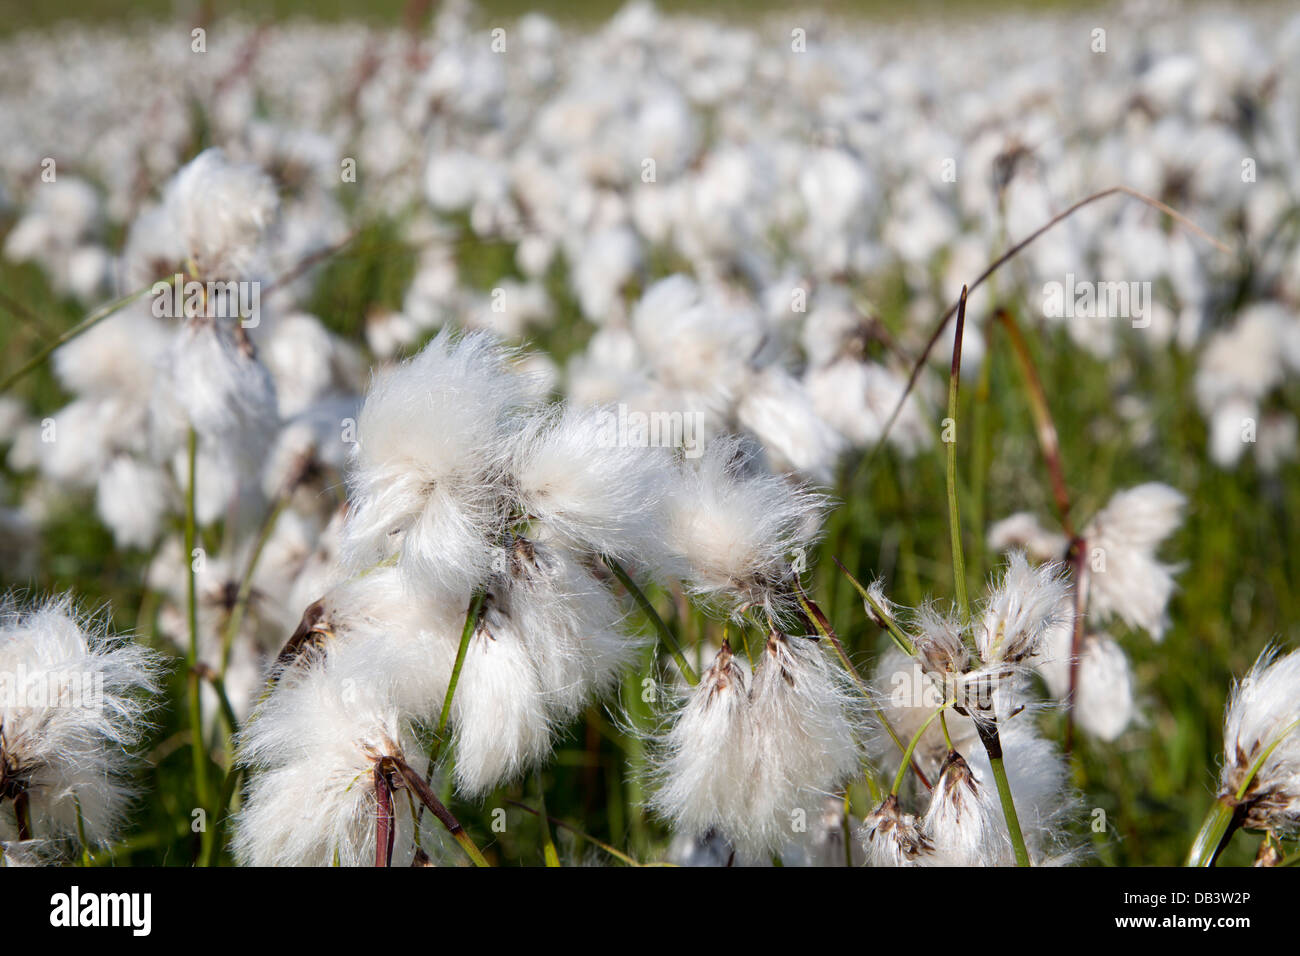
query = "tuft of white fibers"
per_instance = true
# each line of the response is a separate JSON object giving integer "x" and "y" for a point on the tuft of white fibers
{"x": 803, "y": 717}
{"x": 132, "y": 497}
{"x": 1263, "y": 718}
{"x": 377, "y": 624}
{"x": 707, "y": 763}
{"x": 1104, "y": 704}
{"x": 894, "y": 838}
{"x": 311, "y": 749}
{"x": 776, "y": 407}
{"x": 426, "y": 476}
{"x": 213, "y": 375}
{"x": 74, "y": 706}
{"x": 219, "y": 211}
{"x": 1021, "y": 610}
{"x": 500, "y": 720}
{"x": 1125, "y": 579}
{"x": 938, "y": 642}
{"x": 737, "y": 529}
{"x": 965, "y": 828}
{"x": 571, "y": 624}
{"x": 1022, "y": 530}
{"x": 576, "y": 475}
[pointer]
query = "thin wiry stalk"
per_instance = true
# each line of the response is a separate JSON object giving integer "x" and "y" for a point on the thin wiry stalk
{"x": 665, "y": 635}
{"x": 911, "y": 748}
{"x": 548, "y": 845}
{"x": 581, "y": 835}
{"x": 85, "y": 325}
{"x": 988, "y": 729}
{"x": 1002, "y": 260}
{"x": 954, "y": 513}
{"x": 197, "y": 746}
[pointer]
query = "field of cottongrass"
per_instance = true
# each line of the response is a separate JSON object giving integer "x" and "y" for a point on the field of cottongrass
{"x": 501, "y": 440}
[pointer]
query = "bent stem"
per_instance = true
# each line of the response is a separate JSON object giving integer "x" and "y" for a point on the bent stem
{"x": 997, "y": 264}
{"x": 988, "y": 729}
{"x": 665, "y": 635}
{"x": 427, "y": 797}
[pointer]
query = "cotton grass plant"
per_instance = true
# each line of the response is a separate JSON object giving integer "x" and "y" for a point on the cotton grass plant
{"x": 422, "y": 605}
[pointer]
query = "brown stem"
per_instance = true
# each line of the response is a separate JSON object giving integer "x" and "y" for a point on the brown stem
{"x": 1044, "y": 424}
{"x": 384, "y": 829}
{"x": 22, "y": 807}
{"x": 425, "y": 792}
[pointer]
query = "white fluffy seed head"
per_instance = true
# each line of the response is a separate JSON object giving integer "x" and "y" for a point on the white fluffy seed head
{"x": 1125, "y": 579}
{"x": 427, "y": 473}
{"x": 1262, "y": 727}
{"x": 894, "y": 838}
{"x": 570, "y": 622}
{"x": 961, "y": 822}
{"x": 573, "y": 475}
{"x": 737, "y": 531}
{"x": 499, "y": 715}
{"x": 74, "y": 706}
{"x": 219, "y": 211}
{"x": 706, "y": 758}
{"x": 805, "y": 718}
{"x": 312, "y": 749}
{"x": 1020, "y": 611}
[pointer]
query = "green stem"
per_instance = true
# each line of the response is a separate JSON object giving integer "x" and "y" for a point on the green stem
{"x": 1216, "y": 830}
{"x": 880, "y": 615}
{"x": 911, "y": 747}
{"x": 665, "y": 635}
{"x": 989, "y": 736}
{"x": 192, "y": 658}
{"x": 84, "y": 325}
{"x": 548, "y": 845}
{"x": 467, "y": 632}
